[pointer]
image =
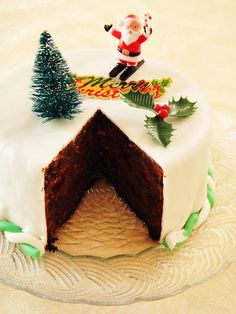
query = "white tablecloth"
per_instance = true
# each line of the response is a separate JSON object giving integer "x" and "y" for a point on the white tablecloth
{"x": 198, "y": 37}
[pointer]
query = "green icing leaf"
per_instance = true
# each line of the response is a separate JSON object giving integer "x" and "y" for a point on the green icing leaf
{"x": 30, "y": 250}
{"x": 165, "y": 244}
{"x": 159, "y": 129}
{"x": 182, "y": 107}
{"x": 188, "y": 227}
{"x": 139, "y": 100}
{"x": 9, "y": 227}
{"x": 210, "y": 196}
{"x": 210, "y": 173}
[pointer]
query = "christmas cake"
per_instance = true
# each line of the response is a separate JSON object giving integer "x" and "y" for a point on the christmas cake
{"x": 45, "y": 168}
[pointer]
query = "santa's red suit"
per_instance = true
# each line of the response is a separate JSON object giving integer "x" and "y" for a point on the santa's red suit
{"x": 129, "y": 53}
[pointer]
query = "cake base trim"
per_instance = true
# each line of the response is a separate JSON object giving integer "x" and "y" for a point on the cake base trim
{"x": 35, "y": 249}
{"x": 15, "y": 234}
{"x": 195, "y": 219}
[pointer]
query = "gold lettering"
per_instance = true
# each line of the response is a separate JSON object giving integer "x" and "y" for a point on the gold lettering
{"x": 106, "y": 87}
{"x": 106, "y": 94}
{"x": 108, "y": 80}
{"x": 116, "y": 94}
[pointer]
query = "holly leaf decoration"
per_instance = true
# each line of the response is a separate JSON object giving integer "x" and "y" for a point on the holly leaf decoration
{"x": 162, "y": 83}
{"x": 182, "y": 107}
{"x": 139, "y": 100}
{"x": 159, "y": 129}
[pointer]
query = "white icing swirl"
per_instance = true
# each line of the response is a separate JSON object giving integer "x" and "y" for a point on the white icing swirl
{"x": 22, "y": 237}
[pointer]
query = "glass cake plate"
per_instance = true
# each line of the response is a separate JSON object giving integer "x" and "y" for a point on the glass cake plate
{"x": 106, "y": 257}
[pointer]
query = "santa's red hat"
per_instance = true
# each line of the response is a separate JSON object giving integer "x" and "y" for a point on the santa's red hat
{"x": 131, "y": 17}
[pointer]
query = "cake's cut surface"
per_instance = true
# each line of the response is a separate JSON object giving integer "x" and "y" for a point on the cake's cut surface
{"x": 69, "y": 175}
{"x": 101, "y": 148}
{"x": 103, "y": 225}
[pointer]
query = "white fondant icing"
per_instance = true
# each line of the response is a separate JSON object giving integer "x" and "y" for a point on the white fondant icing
{"x": 27, "y": 145}
{"x": 203, "y": 214}
{"x": 175, "y": 237}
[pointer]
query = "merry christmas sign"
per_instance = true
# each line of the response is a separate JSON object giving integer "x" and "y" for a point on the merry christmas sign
{"x": 108, "y": 88}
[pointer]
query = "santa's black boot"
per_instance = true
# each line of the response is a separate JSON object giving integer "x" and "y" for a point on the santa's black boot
{"x": 117, "y": 69}
{"x": 130, "y": 70}
{"x": 127, "y": 73}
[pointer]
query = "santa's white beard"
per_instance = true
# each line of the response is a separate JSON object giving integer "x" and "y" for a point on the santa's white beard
{"x": 129, "y": 38}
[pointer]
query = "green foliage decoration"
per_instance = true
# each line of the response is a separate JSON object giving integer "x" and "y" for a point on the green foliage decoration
{"x": 182, "y": 107}
{"x": 54, "y": 95}
{"x": 160, "y": 130}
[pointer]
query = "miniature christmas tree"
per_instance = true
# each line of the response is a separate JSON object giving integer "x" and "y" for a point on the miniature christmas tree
{"x": 54, "y": 95}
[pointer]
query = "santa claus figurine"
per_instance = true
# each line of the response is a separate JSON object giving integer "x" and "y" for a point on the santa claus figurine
{"x": 131, "y": 36}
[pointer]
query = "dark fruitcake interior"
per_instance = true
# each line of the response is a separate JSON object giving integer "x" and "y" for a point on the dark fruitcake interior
{"x": 102, "y": 149}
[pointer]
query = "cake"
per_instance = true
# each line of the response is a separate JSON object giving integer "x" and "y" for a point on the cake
{"x": 45, "y": 168}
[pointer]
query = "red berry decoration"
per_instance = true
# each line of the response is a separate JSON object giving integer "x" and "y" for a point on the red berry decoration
{"x": 166, "y": 107}
{"x": 157, "y": 108}
{"x": 163, "y": 113}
